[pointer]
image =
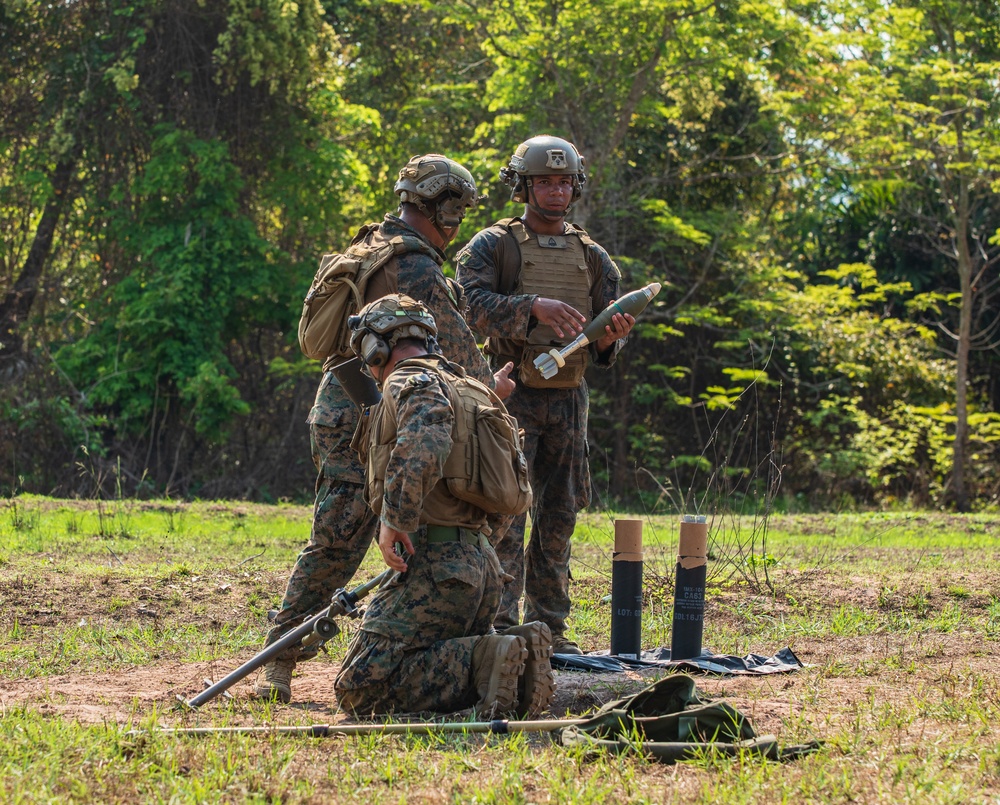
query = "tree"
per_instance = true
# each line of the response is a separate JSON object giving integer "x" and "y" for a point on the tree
{"x": 923, "y": 80}
{"x": 205, "y": 157}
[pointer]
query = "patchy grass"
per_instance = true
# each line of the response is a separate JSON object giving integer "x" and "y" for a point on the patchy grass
{"x": 109, "y": 612}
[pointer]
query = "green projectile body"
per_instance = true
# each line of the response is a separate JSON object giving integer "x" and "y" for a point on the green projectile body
{"x": 632, "y": 303}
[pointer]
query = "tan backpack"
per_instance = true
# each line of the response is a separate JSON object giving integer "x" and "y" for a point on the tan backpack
{"x": 338, "y": 291}
{"x": 487, "y": 466}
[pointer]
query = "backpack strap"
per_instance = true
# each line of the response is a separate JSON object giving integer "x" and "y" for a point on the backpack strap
{"x": 378, "y": 257}
{"x": 363, "y": 233}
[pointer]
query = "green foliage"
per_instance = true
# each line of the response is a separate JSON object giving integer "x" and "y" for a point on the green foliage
{"x": 201, "y": 275}
{"x": 817, "y": 183}
{"x": 872, "y": 391}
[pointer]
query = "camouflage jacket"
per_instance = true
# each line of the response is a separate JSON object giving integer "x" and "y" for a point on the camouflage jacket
{"x": 408, "y": 441}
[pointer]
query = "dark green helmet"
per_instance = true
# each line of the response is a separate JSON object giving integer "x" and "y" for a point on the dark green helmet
{"x": 543, "y": 156}
{"x": 442, "y": 189}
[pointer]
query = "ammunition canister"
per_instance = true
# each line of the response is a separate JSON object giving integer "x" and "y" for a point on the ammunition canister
{"x": 626, "y": 590}
{"x": 689, "y": 589}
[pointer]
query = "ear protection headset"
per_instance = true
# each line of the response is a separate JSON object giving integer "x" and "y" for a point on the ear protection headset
{"x": 370, "y": 347}
{"x": 380, "y": 324}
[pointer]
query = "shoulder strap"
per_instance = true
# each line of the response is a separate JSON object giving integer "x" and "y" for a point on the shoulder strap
{"x": 507, "y": 254}
{"x": 580, "y": 232}
{"x": 404, "y": 244}
{"x": 363, "y": 233}
{"x": 593, "y": 259}
{"x": 380, "y": 255}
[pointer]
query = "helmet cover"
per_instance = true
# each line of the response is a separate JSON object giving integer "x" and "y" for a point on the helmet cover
{"x": 380, "y": 324}
{"x": 440, "y": 187}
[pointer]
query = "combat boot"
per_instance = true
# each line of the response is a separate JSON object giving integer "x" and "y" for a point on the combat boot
{"x": 497, "y": 664}
{"x": 277, "y": 681}
{"x": 537, "y": 684}
{"x": 563, "y": 645}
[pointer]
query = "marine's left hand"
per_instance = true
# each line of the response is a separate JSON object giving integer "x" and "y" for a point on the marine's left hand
{"x": 504, "y": 384}
{"x": 621, "y": 325}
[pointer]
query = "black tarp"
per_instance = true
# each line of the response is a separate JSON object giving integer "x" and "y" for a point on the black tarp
{"x": 784, "y": 661}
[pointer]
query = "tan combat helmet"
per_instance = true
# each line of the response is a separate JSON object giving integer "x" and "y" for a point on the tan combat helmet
{"x": 544, "y": 155}
{"x": 380, "y": 324}
{"x": 441, "y": 189}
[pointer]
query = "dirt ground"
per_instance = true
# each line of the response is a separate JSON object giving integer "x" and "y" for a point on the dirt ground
{"x": 823, "y": 699}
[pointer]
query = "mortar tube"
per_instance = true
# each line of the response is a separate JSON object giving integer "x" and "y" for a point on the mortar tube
{"x": 689, "y": 588}
{"x": 626, "y": 590}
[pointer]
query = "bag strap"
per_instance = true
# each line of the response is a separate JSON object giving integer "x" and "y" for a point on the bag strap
{"x": 507, "y": 255}
{"x": 379, "y": 256}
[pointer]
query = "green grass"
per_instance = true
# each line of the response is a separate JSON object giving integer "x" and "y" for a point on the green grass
{"x": 897, "y": 616}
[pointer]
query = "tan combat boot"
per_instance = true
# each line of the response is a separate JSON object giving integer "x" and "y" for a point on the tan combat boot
{"x": 537, "y": 684}
{"x": 563, "y": 645}
{"x": 497, "y": 664}
{"x": 277, "y": 681}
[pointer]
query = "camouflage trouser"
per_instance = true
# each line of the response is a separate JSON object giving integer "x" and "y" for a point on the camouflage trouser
{"x": 414, "y": 649}
{"x": 343, "y": 524}
{"x": 555, "y": 429}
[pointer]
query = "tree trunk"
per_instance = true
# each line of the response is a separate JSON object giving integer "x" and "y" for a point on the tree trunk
{"x": 17, "y": 303}
{"x": 599, "y": 155}
{"x": 962, "y": 353}
{"x": 621, "y": 394}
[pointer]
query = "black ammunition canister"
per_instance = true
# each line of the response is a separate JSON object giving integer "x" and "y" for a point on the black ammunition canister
{"x": 689, "y": 589}
{"x": 626, "y": 590}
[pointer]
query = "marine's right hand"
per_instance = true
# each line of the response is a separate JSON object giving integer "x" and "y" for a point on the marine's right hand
{"x": 565, "y": 319}
{"x": 387, "y": 539}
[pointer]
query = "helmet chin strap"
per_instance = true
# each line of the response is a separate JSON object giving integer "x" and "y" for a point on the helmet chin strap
{"x": 441, "y": 231}
{"x": 429, "y": 209}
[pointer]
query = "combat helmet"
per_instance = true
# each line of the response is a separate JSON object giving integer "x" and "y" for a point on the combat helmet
{"x": 543, "y": 156}
{"x": 442, "y": 189}
{"x": 380, "y": 324}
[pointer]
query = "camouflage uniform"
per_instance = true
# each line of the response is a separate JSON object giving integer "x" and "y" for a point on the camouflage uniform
{"x": 555, "y": 425}
{"x": 414, "y": 649}
{"x": 343, "y": 525}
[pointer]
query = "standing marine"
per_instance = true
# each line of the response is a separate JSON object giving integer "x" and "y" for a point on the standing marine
{"x": 435, "y": 193}
{"x": 533, "y": 283}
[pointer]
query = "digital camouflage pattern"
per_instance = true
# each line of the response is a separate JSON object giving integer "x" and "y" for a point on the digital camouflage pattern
{"x": 343, "y": 525}
{"x": 420, "y": 277}
{"x": 555, "y": 446}
{"x": 504, "y": 318}
{"x": 411, "y": 432}
{"x": 555, "y": 426}
{"x": 414, "y": 649}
